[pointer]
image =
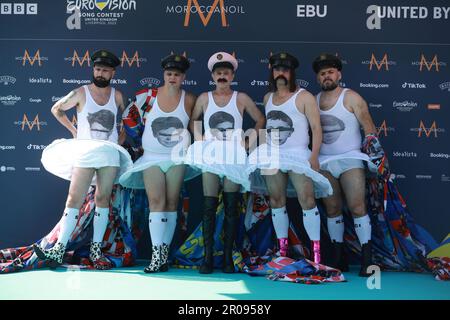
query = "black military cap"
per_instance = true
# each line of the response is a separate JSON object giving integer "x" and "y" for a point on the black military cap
{"x": 283, "y": 59}
{"x": 175, "y": 61}
{"x": 326, "y": 60}
{"x": 106, "y": 58}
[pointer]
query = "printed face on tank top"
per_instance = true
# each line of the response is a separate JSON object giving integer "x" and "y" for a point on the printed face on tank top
{"x": 332, "y": 128}
{"x": 168, "y": 130}
{"x": 279, "y": 127}
{"x": 101, "y": 124}
{"x": 221, "y": 125}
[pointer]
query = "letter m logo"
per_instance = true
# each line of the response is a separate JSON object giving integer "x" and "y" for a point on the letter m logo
{"x": 434, "y": 62}
{"x": 27, "y": 57}
{"x": 31, "y": 124}
{"x": 423, "y": 129}
{"x": 384, "y": 61}
{"x": 76, "y": 58}
{"x": 200, "y": 11}
{"x": 382, "y": 128}
{"x": 130, "y": 61}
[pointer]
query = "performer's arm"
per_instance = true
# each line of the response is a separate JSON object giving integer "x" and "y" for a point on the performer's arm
{"x": 371, "y": 144}
{"x": 311, "y": 111}
{"x": 257, "y": 116}
{"x": 359, "y": 107}
{"x": 73, "y": 99}
{"x": 197, "y": 112}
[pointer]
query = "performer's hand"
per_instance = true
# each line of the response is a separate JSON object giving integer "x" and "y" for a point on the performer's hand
{"x": 372, "y": 147}
{"x": 314, "y": 161}
{"x": 74, "y": 133}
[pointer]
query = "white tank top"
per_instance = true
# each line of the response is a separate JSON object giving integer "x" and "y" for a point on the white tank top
{"x": 164, "y": 130}
{"x": 341, "y": 129}
{"x": 287, "y": 127}
{"x": 222, "y": 119}
{"x": 98, "y": 122}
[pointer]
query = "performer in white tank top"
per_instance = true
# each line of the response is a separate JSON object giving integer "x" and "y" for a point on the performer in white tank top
{"x": 343, "y": 112}
{"x": 290, "y": 112}
{"x": 220, "y": 153}
{"x": 93, "y": 157}
{"x": 160, "y": 170}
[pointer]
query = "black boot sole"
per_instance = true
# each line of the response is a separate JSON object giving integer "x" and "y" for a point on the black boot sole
{"x": 53, "y": 264}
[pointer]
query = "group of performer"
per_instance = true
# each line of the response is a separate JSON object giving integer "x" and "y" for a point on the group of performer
{"x": 330, "y": 165}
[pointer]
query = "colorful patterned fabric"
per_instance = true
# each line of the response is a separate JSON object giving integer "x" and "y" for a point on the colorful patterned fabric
{"x": 118, "y": 243}
{"x": 300, "y": 271}
{"x": 136, "y": 112}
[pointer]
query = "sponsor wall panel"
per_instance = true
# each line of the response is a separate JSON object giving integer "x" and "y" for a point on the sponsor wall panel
{"x": 401, "y": 69}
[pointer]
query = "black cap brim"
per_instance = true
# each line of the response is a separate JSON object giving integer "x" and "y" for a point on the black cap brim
{"x": 223, "y": 64}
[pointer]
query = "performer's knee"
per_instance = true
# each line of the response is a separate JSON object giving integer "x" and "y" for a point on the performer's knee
{"x": 102, "y": 200}
{"x": 157, "y": 203}
{"x": 358, "y": 210}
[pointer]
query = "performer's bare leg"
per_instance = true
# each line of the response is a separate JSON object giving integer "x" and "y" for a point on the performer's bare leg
{"x": 105, "y": 181}
{"x": 311, "y": 217}
{"x": 276, "y": 186}
{"x": 79, "y": 186}
{"x": 354, "y": 189}
{"x": 174, "y": 181}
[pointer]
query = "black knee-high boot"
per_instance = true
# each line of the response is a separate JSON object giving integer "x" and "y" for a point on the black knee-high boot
{"x": 209, "y": 225}
{"x": 230, "y": 224}
{"x": 366, "y": 259}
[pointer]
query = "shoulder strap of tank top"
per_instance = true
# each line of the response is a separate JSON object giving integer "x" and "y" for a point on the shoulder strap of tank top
{"x": 318, "y": 99}
{"x": 341, "y": 97}
{"x": 297, "y": 93}
{"x": 87, "y": 93}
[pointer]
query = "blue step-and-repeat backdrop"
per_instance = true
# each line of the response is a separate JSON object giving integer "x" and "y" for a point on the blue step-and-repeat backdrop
{"x": 396, "y": 54}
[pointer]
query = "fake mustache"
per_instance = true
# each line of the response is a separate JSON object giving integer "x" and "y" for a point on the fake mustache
{"x": 281, "y": 77}
{"x": 222, "y": 80}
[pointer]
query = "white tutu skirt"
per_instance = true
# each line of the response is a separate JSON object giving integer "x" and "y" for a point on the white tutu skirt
{"x": 62, "y": 155}
{"x": 265, "y": 160}
{"x": 354, "y": 154}
{"x": 133, "y": 178}
{"x": 223, "y": 158}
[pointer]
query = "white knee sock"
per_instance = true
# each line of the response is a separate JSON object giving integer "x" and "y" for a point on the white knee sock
{"x": 67, "y": 224}
{"x": 363, "y": 229}
{"x": 280, "y": 221}
{"x": 157, "y": 223}
{"x": 101, "y": 218}
{"x": 171, "y": 226}
{"x": 311, "y": 222}
{"x": 336, "y": 228}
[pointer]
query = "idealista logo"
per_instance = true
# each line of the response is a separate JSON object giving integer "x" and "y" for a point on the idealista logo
{"x": 30, "y": 124}
{"x": 379, "y": 64}
{"x": 205, "y": 10}
{"x": 376, "y": 13}
{"x": 97, "y": 12}
{"x": 6, "y": 80}
{"x": 384, "y": 128}
{"x": 427, "y": 132}
{"x": 427, "y": 64}
{"x": 31, "y": 59}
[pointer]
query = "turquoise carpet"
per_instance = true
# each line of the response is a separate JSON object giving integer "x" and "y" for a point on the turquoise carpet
{"x": 185, "y": 284}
